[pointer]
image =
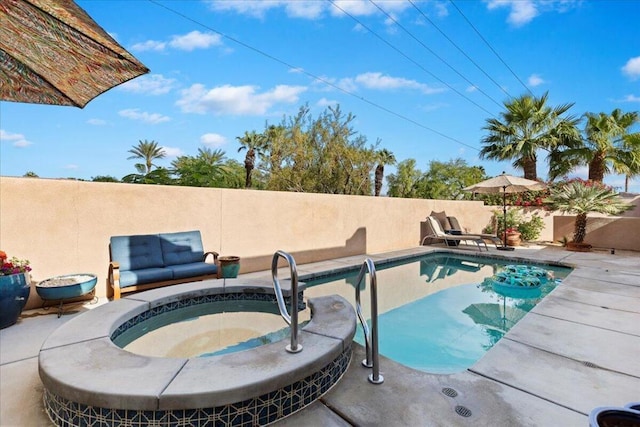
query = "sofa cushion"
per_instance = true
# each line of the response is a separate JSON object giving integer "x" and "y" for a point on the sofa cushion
{"x": 184, "y": 247}
{"x": 182, "y": 271}
{"x": 145, "y": 275}
{"x": 136, "y": 252}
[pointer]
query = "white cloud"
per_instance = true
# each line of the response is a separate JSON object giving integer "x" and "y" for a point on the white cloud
{"x": 535, "y": 80}
{"x": 97, "y": 122}
{"x": 172, "y": 151}
{"x": 213, "y": 140}
{"x": 311, "y": 9}
{"x": 143, "y": 116}
{"x": 195, "y": 40}
{"x": 630, "y": 98}
{"x": 379, "y": 81}
{"x": 16, "y": 139}
{"x": 71, "y": 166}
{"x": 632, "y": 68}
{"x": 236, "y": 100}
{"x": 154, "y": 84}
{"x": 307, "y": 9}
{"x": 522, "y": 11}
{"x": 471, "y": 89}
{"x": 153, "y": 45}
{"x": 324, "y": 102}
{"x": 190, "y": 41}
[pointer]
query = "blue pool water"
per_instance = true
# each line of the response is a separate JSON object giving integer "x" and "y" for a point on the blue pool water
{"x": 436, "y": 313}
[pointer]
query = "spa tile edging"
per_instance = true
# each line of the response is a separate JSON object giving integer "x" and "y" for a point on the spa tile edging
{"x": 99, "y": 381}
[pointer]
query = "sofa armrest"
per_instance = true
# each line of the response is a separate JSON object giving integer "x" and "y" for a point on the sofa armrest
{"x": 114, "y": 278}
{"x": 215, "y": 256}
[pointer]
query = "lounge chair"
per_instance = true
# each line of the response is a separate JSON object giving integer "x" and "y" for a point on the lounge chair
{"x": 492, "y": 237}
{"x": 437, "y": 233}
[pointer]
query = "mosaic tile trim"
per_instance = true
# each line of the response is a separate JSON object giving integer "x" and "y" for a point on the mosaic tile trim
{"x": 258, "y": 411}
{"x": 204, "y": 299}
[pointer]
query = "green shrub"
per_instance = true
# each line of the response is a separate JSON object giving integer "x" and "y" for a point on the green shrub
{"x": 529, "y": 230}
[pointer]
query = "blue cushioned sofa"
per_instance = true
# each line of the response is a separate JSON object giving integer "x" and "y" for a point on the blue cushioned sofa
{"x": 148, "y": 261}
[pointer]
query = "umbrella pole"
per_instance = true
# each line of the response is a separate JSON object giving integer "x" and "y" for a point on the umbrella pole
{"x": 504, "y": 246}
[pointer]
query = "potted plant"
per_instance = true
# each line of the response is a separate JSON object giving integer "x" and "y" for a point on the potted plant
{"x": 15, "y": 286}
{"x": 580, "y": 197}
{"x": 518, "y": 227}
{"x": 513, "y": 237}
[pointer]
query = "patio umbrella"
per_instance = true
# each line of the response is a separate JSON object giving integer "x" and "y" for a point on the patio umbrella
{"x": 52, "y": 52}
{"x": 505, "y": 184}
{"x": 500, "y": 317}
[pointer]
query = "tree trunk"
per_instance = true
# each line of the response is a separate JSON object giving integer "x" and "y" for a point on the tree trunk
{"x": 580, "y": 231}
{"x": 596, "y": 167}
{"x": 249, "y": 162}
{"x": 626, "y": 183}
{"x": 529, "y": 167}
{"x": 379, "y": 175}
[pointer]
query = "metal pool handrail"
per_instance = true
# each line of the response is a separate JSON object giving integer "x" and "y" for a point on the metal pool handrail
{"x": 370, "y": 336}
{"x": 292, "y": 320}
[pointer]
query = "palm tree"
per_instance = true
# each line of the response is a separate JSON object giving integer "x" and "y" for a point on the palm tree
{"x": 630, "y": 167}
{"x": 607, "y": 146}
{"x": 148, "y": 151}
{"x": 254, "y": 143}
{"x": 383, "y": 157}
{"x": 528, "y": 125}
{"x": 581, "y": 197}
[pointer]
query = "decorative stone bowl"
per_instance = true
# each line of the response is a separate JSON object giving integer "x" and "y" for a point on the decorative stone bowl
{"x": 65, "y": 287}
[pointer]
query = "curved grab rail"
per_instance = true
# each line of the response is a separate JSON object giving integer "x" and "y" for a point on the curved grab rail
{"x": 292, "y": 320}
{"x": 370, "y": 335}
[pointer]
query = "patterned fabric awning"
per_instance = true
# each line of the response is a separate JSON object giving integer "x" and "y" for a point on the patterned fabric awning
{"x": 52, "y": 52}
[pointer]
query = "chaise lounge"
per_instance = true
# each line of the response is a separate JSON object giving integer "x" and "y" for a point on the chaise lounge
{"x": 437, "y": 233}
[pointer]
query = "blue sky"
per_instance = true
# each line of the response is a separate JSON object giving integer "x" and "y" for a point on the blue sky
{"x": 420, "y": 76}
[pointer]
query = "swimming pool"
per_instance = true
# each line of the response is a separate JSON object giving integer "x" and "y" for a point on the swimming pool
{"x": 436, "y": 313}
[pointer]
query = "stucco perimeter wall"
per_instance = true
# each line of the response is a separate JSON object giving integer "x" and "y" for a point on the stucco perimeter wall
{"x": 602, "y": 232}
{"x": 64, "y": 226}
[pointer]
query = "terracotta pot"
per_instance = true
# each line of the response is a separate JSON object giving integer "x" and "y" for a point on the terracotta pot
{"x": 513, "y": 239}
{"x": 579, "y": 247}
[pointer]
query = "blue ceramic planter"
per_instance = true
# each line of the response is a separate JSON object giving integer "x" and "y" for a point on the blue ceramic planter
{"x": 229, "y": 266}
{"x": 14, "y": 293}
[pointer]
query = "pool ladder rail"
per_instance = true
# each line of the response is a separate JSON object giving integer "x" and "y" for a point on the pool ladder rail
{"x": 291, "y": 320}
{"x": 370, "y": 334}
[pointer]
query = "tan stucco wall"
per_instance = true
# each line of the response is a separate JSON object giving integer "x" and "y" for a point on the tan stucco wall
{"x": 602, "y": 232}
{"x": 64, "y": 226}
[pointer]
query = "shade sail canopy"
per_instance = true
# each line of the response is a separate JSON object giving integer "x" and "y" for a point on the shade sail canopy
{"x": 52, "y": 52}
{"x": 505, "y": 184}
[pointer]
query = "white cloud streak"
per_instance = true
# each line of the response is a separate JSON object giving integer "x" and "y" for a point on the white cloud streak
{"x": 307, "y": 9}
{"x": 172, "y": 151}
{"x": 195, "y": 40}
{"x": 15, "y": 139}
{"x": 97, "y": 122}
{"x": 236, "y": 100}
{"x": 213, "y": 140}
{"x": 521, "y": 12}
{"x": 632, "y": 68}
{"x": 187, "y": 42}
{"x": 154, "y": 84}
{"x": 535, "y": 80}
{"x": 143, "y": 116}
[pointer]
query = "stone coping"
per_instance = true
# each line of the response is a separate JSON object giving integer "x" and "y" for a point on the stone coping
{"x": 80, "y": 363}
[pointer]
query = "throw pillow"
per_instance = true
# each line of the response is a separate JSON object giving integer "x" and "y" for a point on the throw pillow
{"x": 442, "y": 219}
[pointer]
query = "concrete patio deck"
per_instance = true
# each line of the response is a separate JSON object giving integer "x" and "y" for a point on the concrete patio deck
{"x": 577, "y": 350}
